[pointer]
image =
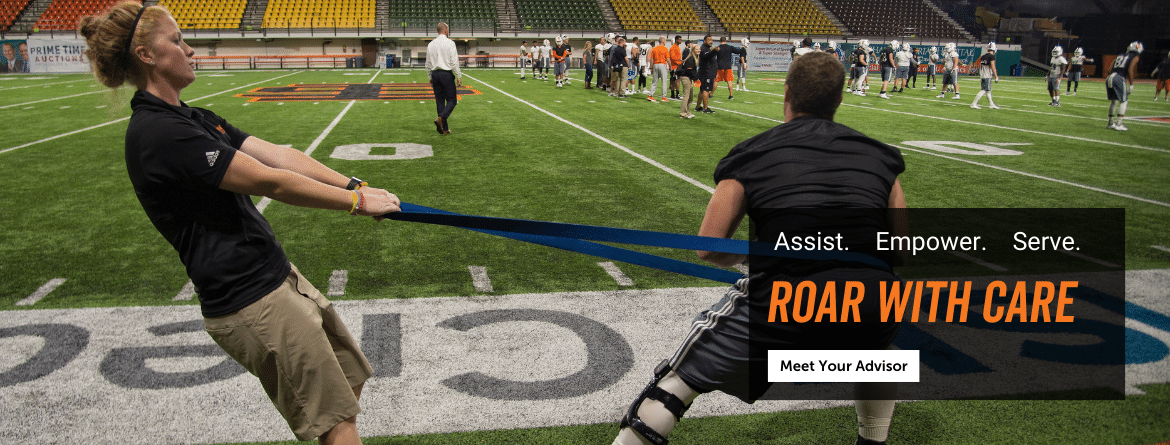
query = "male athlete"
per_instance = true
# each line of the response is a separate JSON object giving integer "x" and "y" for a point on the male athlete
{"x": 524, "y": 57}
{"x": 887, "y": 63}
{"x": 1076, "y": 67}
{"x": 1162, "y": 73}
{"x": 741, "y": 67}
{"x": 676, "y": 56}
{"x": 859, "y": 60}
{"x": 1119, "y": 84}
{"x": 986, "y": 72}
{"x": 932, "y": 69}
{"x": 1056, "y": 68}
{"x": 545, "y": 52}
{"x": 560, "y": 56}
{"x": 902, "y": 75}
{"x": 807, "y": 162}
{"x": 950, "y": 71}
{"x": 726, "y": 54}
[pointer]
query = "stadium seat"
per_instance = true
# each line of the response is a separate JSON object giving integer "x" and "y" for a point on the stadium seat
{"x": 63, "y": 14}
{"x": 319, "y": 14}
{"x": 778, "y": 17}
{"x": 891, "y": 18}
{"x": 560, "y": 14}
{"x": 9, "y": 10}
{"x": 670, "y": 15}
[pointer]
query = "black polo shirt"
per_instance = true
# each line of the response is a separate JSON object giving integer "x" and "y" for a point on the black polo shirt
{"x": 176, "y": 158}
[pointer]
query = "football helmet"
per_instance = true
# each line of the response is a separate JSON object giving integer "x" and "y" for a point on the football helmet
{"x": 745, "y": 42}
{"x": 559, "y": 40}
{"x": 610, "y": 37}
{"x": 863, "y": 43}
{"x": 1057, "y": 51}
{"x": 905, "y": 47}
{"x": 546, "y": 42}
{"x": 833, "y": 45}
{"x": 894, "y": 45}
{"x": 817, "y": 46}
{"x": 991, "y": 47}
{"x": 1079, "y": 52}
{"x": 950, "y": 47}
{"x": 934, "y": 50}
{"x": 1136, "y": 47}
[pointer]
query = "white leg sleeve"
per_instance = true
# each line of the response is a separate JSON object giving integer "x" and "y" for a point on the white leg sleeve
{"x": 989, "y": 99}
{"x": 978, "y": 96}
{"x": 1121, "y": 111}
{"x": 873, "y": 418}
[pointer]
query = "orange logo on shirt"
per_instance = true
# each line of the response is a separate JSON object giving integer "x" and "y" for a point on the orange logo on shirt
{"x": 220, "y": 128}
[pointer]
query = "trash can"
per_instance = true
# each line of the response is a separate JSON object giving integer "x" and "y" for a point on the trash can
{"x": 359, "y": 62}
{"x": 349, "y": 62}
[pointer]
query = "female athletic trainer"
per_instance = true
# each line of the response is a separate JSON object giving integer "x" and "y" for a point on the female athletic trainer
{"x": 193, "y": 174}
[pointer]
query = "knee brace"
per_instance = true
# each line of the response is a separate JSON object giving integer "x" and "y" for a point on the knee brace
{"x": 673, "y": 404}
{"x": 1121, "y": 111}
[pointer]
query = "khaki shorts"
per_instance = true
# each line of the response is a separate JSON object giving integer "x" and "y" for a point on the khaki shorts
{"x": 295, "y": 343}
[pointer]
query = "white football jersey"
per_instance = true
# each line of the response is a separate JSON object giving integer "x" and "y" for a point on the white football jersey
{"x": 544, "y": 51}
{"x": 949, "y": 63}
{"x": 903, "y": 58}
{"x": 1054, "y": 66}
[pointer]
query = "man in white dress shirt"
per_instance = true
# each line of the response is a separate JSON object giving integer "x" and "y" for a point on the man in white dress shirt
{"x": 443, "y": 71}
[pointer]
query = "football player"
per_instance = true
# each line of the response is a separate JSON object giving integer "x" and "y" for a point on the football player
{"x": 887, "y": 63}
{"x": 902, "y": 75}
{"x": 950, "y": 70}
{"x": 1074, "y": 71}
{"x": 986, "y": 72}
{"x": 741, "y": 68}
{"x": 859, "y": 60}
{"x": 1124, "y": 68}
{"x": 932, "y": 69}
{"x": 1056, "y": 68}
{"x": 545, "y": 53}
{"x": 560, "y": 56}
{"x": 1162, "y": 73}
{"x": 524, "y": 57}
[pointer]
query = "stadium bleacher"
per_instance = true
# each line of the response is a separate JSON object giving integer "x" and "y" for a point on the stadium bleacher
{"x": 559, "y": 14}
{"x": 319, "y": 14}
{"x": 63, "y": 14}
{"x": 674, "y": 15}
{"x": 9, "y": 11}
{"x": 892, "y": 18}
{"x": 458, "y": 14}
{"x": 780, "y": 17}
{"x": 206, "y": 14}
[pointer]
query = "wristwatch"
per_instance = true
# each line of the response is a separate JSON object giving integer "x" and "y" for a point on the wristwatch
{"x": 355, "y": 183}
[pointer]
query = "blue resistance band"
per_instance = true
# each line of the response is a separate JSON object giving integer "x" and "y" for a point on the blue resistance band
{"x": 573, "y": 237}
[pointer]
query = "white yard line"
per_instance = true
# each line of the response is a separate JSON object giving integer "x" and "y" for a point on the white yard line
{"x": 617, "y": 274}
{"x": 980, "y": 262}
{"x": 1097, "y": 141}
{"x": 479, "y": 278}
{"x": 263, "y": 204}
{"x": 47, "y": 100}
{"x": 673, "y": 172}
{"x": 337, "y": 283}
{"x": 128, "y": 117}
{"x": 1033, "y": 175}
{"x": 41, "y": 292}
{"x": 46, "y": 84}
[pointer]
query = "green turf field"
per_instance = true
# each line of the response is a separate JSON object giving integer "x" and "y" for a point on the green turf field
{"x": 533, "y": 151}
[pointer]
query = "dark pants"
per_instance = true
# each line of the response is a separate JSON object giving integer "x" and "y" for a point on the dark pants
{"x": 443, "y": 83}
{"x": 588, "y": 73}
{"x": 913, "y": 75}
